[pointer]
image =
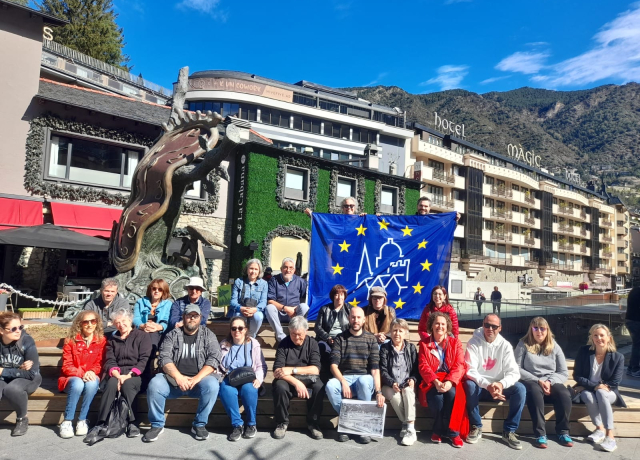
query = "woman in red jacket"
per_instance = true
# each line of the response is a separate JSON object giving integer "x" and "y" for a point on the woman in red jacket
{"x": 82, "y": 359}
{"x": 441, "y": 365}
{"x": 439, "y": 302}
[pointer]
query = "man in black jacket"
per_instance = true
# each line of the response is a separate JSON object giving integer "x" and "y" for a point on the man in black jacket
{"x": 296, "y": 372}
{"x": 633, "y": 325}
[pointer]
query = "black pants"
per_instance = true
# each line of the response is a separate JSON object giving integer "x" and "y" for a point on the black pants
{"x": 17, "y": 392}
{"x": 129, "y": 390}
{"x": 536, "y": 399}
{"x": 440, "y": 407}
{"x": 150, "y": 369}
{"x": 479, "y": 304}
{"x": 496, "y": 305}
{"x": 283, "y": 392}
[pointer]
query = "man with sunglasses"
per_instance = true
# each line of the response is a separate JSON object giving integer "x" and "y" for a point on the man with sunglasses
{"x": 493, "y": 374}
{"x": 195, "y": 288}
{"x": 348, "y": 205}
{"x": 189, "y": 356}
{"x": 108, "y": 302}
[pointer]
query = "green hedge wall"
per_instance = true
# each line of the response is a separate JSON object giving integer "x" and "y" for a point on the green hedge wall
{"x": 411, "y": 200}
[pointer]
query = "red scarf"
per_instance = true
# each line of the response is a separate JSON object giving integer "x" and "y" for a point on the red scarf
{"x": 459, "y": 420}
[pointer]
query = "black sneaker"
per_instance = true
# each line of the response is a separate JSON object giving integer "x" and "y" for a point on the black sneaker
{"x": 342, "y": 437}
{"x": 133, "y": 431}
{"x": 475, "y": 434}
{"x": 200, "y": 433}
{"x": 236, "y": 433}
{"x": 280, "y": 431}
{"x": 364, "y": 439}
{"x": 152, "y": 434}
{"x": 249, "y": 432}
{"x": 22, "y": 425}
{"x": 315, "y": 431}
{"x": 511, "y": 440}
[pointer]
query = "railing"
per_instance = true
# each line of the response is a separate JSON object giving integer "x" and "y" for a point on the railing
{"x": 501, "y": 213}
{"x": 501, "y": 191}
{"x": 583, "y": 215}
{"x": 455, "y": 254}
{"x": 532, "y": 263}
{"x": 583, "y": 248}
{"x": 565, "y": 228}
{"x": 500, "y": 261}
{"x": 566, "y": 246}
{"x": 501, "y": 236}
{"x": 566, "y": 210}
{"x": 608, "y": 239}
{"x": 529, "y": 220}
{"x": 583, "y": 231}
{"x": 529, "y": 199}
{"x": 606, "y": 223}
{"x": 443, "y": 202}
{"x": 530, "y": 241}
{"x": 567, "y": 267}
{"x": 440, "y": 175}
{"x": 607, "y": 255}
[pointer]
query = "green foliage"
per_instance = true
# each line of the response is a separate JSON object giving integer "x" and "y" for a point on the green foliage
{"x": 20, "y": 2}
{"x": 411, "y": 198}
{"x": 92, "y": 29}
{"x": 24, "y": 310}
{"x": 370, "y": 196}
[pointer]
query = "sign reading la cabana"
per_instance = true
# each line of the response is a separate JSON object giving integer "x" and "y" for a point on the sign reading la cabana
{"x": 517, "y": 153}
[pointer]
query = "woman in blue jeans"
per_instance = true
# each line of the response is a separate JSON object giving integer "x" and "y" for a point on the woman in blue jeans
{"x": 82, "y": 360}
{"x": 239, "y": 350}
{"x": 249, "y": 296}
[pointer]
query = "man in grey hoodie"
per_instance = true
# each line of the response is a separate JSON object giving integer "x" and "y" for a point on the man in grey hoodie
{"x": 108, "y": 302}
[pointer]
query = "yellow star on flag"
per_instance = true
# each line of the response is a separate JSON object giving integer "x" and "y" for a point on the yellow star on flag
{"x": 337, "y": 269}
{"x": 426, "y": 266}
{"x": 423, "y": 245}
{"x": 399, "y": 303}
{"x": 344, "y": 246}
{"x": 407, "y": 231}
{"x": 354, "y": 303}
{"x": 383, "y": 225}
{"x": 417, "y": 288}
{"x": 361, "y": 230}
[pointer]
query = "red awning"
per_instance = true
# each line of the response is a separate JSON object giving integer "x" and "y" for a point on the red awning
{"x": 90, "y": 220}
{"x": 19, "y": 213}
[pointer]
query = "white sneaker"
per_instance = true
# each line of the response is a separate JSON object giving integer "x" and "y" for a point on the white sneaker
{"x": 82, "y": 428}
{"x": 66, "y": 430}
{"x": 609, "y": 444}
{"x": 409, "y": 438}
{"x": 403, "y": 431}
{"x": 596, "y": 437}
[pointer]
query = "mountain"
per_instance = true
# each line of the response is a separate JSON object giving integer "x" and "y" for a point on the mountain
{"x": 589, "y": 130}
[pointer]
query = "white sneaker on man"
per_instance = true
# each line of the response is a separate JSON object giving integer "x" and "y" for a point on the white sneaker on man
{"x": 82, "y": 428}
{"x": 409, "y": 438}
{"x": 66, "y": 430}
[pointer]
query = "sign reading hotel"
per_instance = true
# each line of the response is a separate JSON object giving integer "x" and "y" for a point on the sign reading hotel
{"x": 529, "y": 157}
{"x": 240, "y": 86}
{"x": 448, "y": 127}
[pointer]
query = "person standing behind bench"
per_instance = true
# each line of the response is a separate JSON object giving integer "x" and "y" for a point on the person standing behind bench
{"x": 355, "y": 367}
{"x": 296, "y": 371}
{"x": 249, "y": 296}
{"x": 285, "y": 297}
{"x": 496, "y": 299}
{"x": 195, "y": 288}
{"x": 189, "y": 357}
{"x": 19, "y": 368}
{"x": 107, "y": 302}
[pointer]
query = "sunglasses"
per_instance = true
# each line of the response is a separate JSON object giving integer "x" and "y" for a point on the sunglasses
{"x": 491, "y": 326}
{"x": 539, "y": 328}
{"x": 193, "y": 316}
{"x": 157, "y": 289}
{"x": 194, "y": 288}
{"x": 86, "y": 322}
{"x": 237, "y": 328}
{"x": 14, "y": 328}
{"x": 348, "y": 206}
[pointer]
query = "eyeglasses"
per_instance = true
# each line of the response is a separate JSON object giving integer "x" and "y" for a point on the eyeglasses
{"x": 539, "y": 329}
{"x": 193, "y": 316}
{"x": 348, "y": 206}
{"x": 86, "y": 322}
{"x": 491, "y": 326}
{"x": 14, "y": 328}
{"x": 237, "y": 328}
{"x": 194, "y": 288}
{"x": 157, "y": 289}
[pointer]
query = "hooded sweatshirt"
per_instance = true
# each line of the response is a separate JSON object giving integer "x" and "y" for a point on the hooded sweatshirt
{"x": 12, "y": 356}
{"x": 491, "y": 362}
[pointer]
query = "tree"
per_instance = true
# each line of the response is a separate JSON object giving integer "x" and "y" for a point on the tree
{"x": 20, "y": 2}
{"x": 92, "y": 29}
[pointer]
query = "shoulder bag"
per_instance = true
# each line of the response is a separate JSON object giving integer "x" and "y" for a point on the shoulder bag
{"x": 244, "y": 374}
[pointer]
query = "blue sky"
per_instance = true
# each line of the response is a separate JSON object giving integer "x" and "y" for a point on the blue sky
{"x": 421, "y": 46}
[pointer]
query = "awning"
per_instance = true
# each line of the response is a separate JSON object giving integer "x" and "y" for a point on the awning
{"x": 89, "y": 220}
{"x": 19, "y": 213}
{"x": 52, "y": 236}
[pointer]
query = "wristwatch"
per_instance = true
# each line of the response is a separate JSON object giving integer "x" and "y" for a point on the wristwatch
{"x": 295, "y": 370}
{"x": 378, "y": 392}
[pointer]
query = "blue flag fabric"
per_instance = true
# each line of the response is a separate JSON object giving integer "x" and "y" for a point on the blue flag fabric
{"x": 406, "y": 255}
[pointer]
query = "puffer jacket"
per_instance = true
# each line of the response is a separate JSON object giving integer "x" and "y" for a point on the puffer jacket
{"x": 429, "y": 361}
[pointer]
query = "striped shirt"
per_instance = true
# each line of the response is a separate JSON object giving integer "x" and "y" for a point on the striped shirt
{"x": 355, "y": 354}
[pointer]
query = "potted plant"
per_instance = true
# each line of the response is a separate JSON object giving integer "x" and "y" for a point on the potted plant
{"x": 30, "y": 313}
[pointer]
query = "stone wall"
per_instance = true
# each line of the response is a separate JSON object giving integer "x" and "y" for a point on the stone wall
{"x": 27, "y": 269}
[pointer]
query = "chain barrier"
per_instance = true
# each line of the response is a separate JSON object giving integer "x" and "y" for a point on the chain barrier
{"x": 46, "y": 301}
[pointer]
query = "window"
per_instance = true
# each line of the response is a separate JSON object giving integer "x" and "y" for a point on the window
{"x": 388, "y": 200}
{"x": 488, "y": 180}
{"x": 490, "y": 249}
{"x": 83, "y": 160}
{"x": 436, "y": 190}
{"x": 515, "y": 229}
{"x": 489, "y": 203}
{"x": 346, "y": 188}
{"x": 555, "y": 219}
{"x": 515, "y": 208}
{"x": 488, "y": 225}
{"x": 436, "y": 165}
{"x": 248, "y": 112}
{"x": 555, "y": 200}
{"x": 456, "y": 286}
{"x": 296, "y": 184}
{"x": 515, "y": 187}
{"x": 304, "y": 100}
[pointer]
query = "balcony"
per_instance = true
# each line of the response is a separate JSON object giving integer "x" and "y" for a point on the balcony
{"x": 570, "y": 267}
{"x": 501, "y": 236}
{"x": 606, "y": 223}
{"x": 607, "y": 239}
{"x": 533, "y": 263}
{"x": 419, "y": 145}
{"x": 529, "y": 220}
{"x": 583, "y": 231}
{"x": 603, "y": 269}
{"x": 440, "y": 201}
{"x": 583, "y": 248}
{"x": 565, "y": 246}
{"x": 583, "y": 215}
{"x": 565, "y": 210}
{"x": 528, "y": 198}
{"x": 606, "y": 255}
{"x": 501, "y": 213}
{"x": 441, "y": 176}
{"x": 500, "y": 261}
{"x": 456, "y": 255}
{"x": 622, "y": 257}
{"x": 563, "y": 228}
{"x": 529, "y": 240}
{"x": 501, "y": 191}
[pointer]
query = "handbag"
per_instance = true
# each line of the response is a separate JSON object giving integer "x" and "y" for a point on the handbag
{"x": 248, "y": 301}
{"x": 575, "y": 391}
{"x": 241, "y": 375}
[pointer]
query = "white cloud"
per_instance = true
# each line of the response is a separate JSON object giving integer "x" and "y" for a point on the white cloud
{"x": 494, "y": 79}
{"x": 524, "y": 62}
{"x": 209, "y": 7}
{"x": 376, "y": 80}
{"x": 449, "y": 77}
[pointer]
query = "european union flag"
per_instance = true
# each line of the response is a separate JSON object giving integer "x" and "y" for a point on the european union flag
{"x": 406, "y": 255}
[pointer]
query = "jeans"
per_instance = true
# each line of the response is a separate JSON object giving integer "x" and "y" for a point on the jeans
{"x": 229, "y": 398}
{"x": 159, "y": 391}
{"x": 255, "y": 322}
{"x": 599, "y": 406}
{"x": 536, "y": 399}
{"x": 516, "y": 395}
{"x": 361, "y": 388}
{"x": 440, "y": 407}
{"x": 634, "y": 330}
{"x": 276, "y": 318}
{"x": 75, "y": 388}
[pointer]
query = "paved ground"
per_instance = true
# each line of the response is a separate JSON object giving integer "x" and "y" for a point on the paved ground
{"x": 43, "y": 443}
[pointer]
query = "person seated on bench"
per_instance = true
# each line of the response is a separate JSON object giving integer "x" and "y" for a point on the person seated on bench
{"x": 439, "y": 302}
{"x": 285, "y": 297}
{"x": 19, "y": 368}
{"x": 333, "y": 319}
{"x": 127, "y": 353}
{"x": 244, "y": 368}
{"x": 249, "y": 296}
{"x": 296, "y": 372}
{"x": 400, "y": 376}
{"x": 151, "y": 315}
{"x": 441, "y": 363}
{"x": 195, "y": 288}
{"x": 493, "y": 374}
{"x": 543, "y": 372}
{"x": 377, "y": 315}
{"x": 189, "y": 358}
{"x": 598, "y": 371}
{"x": 355, "y": 367}
{"x": 107, "y": 302}
{"x": 82, "y": 360}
